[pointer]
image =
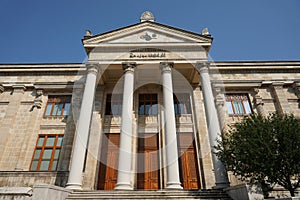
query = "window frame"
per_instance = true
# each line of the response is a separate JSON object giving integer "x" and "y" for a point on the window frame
{"x": 179, "y": 99}
{"x": 113, "y": 99}
{"x": 144, "y": 101}
{"x": 239, "y": 98}
{"x": 42, "y": 149}
{"x": 53, "y": 100}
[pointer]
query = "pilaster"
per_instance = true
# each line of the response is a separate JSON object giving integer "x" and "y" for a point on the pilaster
{"x": 220, "y": 102}
{"x": 280, "y": 97}
{"x": 258, "y": 102}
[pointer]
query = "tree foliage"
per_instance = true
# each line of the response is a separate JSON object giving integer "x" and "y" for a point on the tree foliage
{"x": 264, "y": 150}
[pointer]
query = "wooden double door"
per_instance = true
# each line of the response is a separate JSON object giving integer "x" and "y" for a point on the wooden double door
{"x": 188, "y": 166}
{"x": 148, "y": 168}
{"x": 108, "y": 171}
{"x": 148, "y": 162}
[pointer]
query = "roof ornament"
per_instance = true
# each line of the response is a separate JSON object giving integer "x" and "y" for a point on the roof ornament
{"x": 88, "y": 33}
{"x": 205, "y": 32}
{"x": 147, "y": 16}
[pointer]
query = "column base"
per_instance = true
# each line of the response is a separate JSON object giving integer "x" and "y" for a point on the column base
{"x": 174, "y": 186}
{"x": 73, "y": 186}
{"x": 123, "y": 186}
{"x": 222, "y": 185}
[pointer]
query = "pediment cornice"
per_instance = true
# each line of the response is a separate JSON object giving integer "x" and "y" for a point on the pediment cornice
{"x": 147, "y": 33}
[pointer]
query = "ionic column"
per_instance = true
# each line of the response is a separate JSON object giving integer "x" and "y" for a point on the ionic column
{"x": 82, "y": 131}
{"x": 173, "y": 180}
{"x": 125, "y": 155}
{"x": 258, "y": 103}
{"x": 212, "y": 125}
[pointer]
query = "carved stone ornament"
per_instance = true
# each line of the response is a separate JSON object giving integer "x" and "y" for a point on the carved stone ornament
{"x": 1, "y": 89}
{"x": 148, "y": 36}
{"x": 38, "y": 102}
{"x": 128, "y": 67}
{"x": 147, "y": 16}
{"x": 202, "y": 67}
{"x": 166, "y": 66}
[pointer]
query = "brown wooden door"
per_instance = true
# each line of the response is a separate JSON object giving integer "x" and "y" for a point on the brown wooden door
{"x": 108, "y": 171}
{"x": 189, "y": 173}
{"x": 148, "y": 165}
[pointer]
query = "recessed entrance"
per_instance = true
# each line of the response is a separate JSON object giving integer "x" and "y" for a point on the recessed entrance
{"x": 148, "y": 163}
{"x": 108, "y": 171}
{"x": 189, "y": 173}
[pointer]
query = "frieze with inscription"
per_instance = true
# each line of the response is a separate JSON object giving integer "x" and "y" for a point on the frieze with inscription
{"x": 147, "y": 55}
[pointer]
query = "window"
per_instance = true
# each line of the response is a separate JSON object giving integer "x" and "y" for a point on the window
{"x": 148, "y": 104}
{"x": 113, "y": 104}
{"x": 238, "y": 104}
{"x": 182, "y": 104}
{"x": 58, "y": 106}
{"x": 46, "y": 154}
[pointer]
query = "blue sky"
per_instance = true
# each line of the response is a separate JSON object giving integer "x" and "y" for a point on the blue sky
{"x": 39, "y": 31}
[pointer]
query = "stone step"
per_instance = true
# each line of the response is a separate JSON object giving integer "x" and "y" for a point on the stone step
{"x": 159, "y": 194}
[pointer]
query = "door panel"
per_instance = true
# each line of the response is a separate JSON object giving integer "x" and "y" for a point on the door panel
{"x": 148, "y": 165}
{"x": 108, "y": 171}
{"x": 189, "y": 174}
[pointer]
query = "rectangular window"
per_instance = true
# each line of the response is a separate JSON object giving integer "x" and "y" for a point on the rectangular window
{"x": 182, "y": 104}
{"x": 58, "y": 106}
{"x": 148, "y": 104}
{"x": 238, "y": 104}
{"x": 113, "y": 104}
{"x": 46, "y": 154}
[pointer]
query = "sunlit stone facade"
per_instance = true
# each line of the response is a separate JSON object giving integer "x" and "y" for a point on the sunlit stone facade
{"x": 142, "y": 113}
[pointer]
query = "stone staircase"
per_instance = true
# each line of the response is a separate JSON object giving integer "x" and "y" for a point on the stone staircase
{"x": 158, "y": 194}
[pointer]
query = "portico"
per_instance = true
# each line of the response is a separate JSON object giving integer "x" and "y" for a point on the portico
{"x": 153, "y": 70}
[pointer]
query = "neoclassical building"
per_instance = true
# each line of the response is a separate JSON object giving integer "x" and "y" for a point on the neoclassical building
{"x": 143, "y": 113}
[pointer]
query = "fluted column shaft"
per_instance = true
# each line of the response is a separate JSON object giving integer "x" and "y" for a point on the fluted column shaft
{"x": 82, "y": 131}
{"x": 212, "y": 125}
{"x": 173, "y": 180}
{"x": 125, "y": 155}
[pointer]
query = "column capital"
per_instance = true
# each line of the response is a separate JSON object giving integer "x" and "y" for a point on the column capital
{"x": 92, "y": 68}
{"x": 166, "y": 66}
{"x": 219, "y": 97}
{"x": 202, "y": 66}
{"x": 128, "y": 66}
{"x": 257, "y": 98}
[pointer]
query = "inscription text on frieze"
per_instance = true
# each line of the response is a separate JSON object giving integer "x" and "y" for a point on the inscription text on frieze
{"x": 148, "y": 55}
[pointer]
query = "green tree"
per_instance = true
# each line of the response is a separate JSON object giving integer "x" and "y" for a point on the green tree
{"x": 264, "y": 150}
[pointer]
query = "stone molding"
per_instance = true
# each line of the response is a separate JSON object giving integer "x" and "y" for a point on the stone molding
{"x": 19, "y": 89}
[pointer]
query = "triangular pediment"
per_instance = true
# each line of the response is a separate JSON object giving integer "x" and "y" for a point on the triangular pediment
{"x": 147, "y": 33}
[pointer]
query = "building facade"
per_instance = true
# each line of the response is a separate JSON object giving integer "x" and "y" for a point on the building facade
{"x": 143, "y": 112}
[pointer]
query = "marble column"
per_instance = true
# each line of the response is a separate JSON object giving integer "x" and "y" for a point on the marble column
{"x": 125, "y": 155}
{"x": 213, "y": 127}
{"x": 82, "y": 131}
{"x": 173, "y": 180}
{"x": 258, "y": 103}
